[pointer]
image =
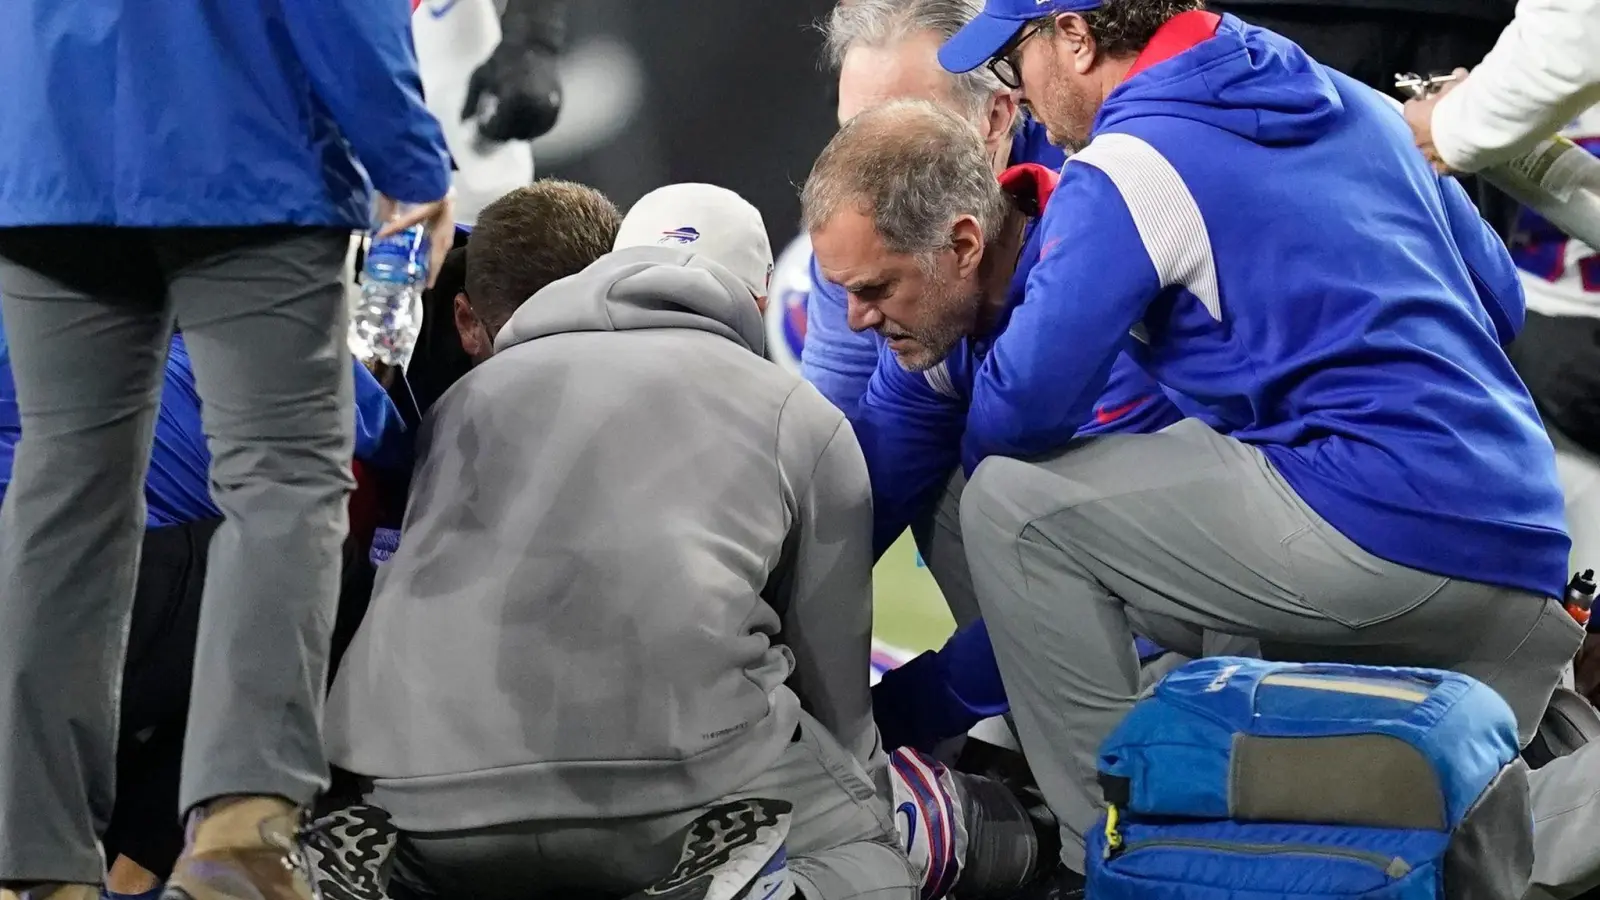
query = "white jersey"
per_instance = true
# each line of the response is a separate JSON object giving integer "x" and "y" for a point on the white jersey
{"x": 1560, "y": 274}
{"x": 453, "y": 38}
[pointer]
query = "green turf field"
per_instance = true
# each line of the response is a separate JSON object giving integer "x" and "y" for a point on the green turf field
{"x": 908, "y": 611}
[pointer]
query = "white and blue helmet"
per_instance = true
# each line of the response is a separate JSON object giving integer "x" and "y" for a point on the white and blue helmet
{"x": 786, "y": 304}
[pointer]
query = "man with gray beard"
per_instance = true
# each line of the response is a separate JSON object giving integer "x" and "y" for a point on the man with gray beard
{"x": 904, "y": 213}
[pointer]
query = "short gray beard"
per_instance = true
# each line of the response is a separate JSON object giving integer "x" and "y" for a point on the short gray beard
{"x": 943, "y": 334}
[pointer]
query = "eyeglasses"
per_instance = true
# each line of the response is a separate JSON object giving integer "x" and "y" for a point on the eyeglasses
{"x": 1005, "y": 65}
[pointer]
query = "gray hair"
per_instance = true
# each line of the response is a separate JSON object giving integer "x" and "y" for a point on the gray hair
{"x": 915, "y": 168}
{"x": 884, "y": 23}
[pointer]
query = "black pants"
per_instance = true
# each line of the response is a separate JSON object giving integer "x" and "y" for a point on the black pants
{"x": 1374, "y": 45}
{"x": 145, "y": 825}
{"x": 155, "y": 696}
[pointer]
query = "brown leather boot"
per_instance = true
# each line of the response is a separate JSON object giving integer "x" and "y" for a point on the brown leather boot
{"x": 241, "y": 848}
{"x": 52, "y": 892}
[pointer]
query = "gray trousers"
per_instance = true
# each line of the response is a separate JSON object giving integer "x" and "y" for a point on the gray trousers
{"x": 938, "y": 537}
{"x": 1187, "y": 530}
{"x": 88, "y": 313}
{"x": 841, "y": 842}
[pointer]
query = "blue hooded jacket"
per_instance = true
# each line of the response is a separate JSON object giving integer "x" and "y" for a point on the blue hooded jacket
{"x": 1296, "y": 270}
{"x": 177, "y": 488}
{"x": 839, "y": 362}
{"x": 211, "y": 113}
{"x": 941, "y": 694}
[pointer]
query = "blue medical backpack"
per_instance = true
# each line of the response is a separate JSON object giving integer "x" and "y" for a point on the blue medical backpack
{"x": 1238, "y": 778}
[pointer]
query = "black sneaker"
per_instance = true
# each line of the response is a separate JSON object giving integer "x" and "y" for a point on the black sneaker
{"x": 348, "y": 850}
{"x": 734, "y": 851}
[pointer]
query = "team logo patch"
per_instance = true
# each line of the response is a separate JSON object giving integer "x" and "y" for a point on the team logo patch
{"x": 683, "y": 235}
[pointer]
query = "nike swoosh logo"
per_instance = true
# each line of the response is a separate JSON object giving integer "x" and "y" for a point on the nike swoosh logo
{"x": 909, "y": 810}
{"x": 439, "y": 12}
{"x": 1107, "y": 416}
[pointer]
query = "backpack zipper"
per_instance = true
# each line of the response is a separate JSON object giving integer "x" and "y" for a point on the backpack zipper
{"x": 1391, "y": 866}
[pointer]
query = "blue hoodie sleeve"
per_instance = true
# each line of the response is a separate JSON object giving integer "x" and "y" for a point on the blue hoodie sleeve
{"x": 1092, "y": 284}
{"x": 911, "y": 436}
{"x": 381, "y": 436}
{"x": 360, "y": 60}
{"x": 837, "y": 361}
{"x": 1494, "y": 274}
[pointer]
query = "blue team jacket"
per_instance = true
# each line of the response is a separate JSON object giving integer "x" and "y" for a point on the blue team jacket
{"x": 1294, "y": 268}
{"x": 177, "y": 488}
{"x": 910, "y": 424}
{"x": 838, "y": 361}
{"x": 942, "y": 694}
{"x": 211, "y": 113}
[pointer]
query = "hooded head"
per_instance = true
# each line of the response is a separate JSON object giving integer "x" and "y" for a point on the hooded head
{"x": 688, "y": 256}
{"x": 1067, "y": 58}
{"x": 707, "y": 221}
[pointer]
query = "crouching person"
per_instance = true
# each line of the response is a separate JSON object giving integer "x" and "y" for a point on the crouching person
{"x": 623, "y": 644}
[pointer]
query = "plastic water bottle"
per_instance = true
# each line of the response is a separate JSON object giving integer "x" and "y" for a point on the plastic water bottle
{"x": 385, "y": 325}
{"x": 1580, "y": 596}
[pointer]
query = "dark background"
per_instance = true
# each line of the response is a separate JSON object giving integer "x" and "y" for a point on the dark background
{"x": 731, "y": 92}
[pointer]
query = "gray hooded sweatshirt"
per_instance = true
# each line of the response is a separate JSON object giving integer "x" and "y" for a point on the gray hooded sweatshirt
{"x": 634, "y": 550}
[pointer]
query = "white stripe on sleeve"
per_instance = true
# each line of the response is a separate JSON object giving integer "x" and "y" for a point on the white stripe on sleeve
{"x": 1164, "y": 212}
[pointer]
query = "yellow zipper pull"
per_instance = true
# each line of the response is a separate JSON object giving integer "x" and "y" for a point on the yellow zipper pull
{"x": 1113, "y": 837}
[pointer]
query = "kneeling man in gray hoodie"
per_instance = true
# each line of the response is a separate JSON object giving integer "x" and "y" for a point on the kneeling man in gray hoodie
{"x": 623, "y": 645}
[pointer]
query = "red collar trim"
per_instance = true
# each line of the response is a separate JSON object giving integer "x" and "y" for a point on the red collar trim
{"x": 1030, "y": 181}
{"x": 1181, "y": 32}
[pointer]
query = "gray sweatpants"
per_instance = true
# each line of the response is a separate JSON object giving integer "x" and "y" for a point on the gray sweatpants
{"x": 87, "y": 314}
{"x": 1187, "y": 530}
{"x": 841, "y": 842}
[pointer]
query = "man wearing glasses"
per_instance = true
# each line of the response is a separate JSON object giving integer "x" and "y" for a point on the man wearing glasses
{"x": 1375, "y": 486}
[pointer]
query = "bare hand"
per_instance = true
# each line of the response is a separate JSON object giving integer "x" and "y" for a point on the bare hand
{"x": 1419, "y": 115}
{"x": 439, "y": 217}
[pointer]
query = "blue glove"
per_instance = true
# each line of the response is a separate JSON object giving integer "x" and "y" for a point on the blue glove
{"x": 1148, "y": 649}
{"x": 940, "y": 695}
